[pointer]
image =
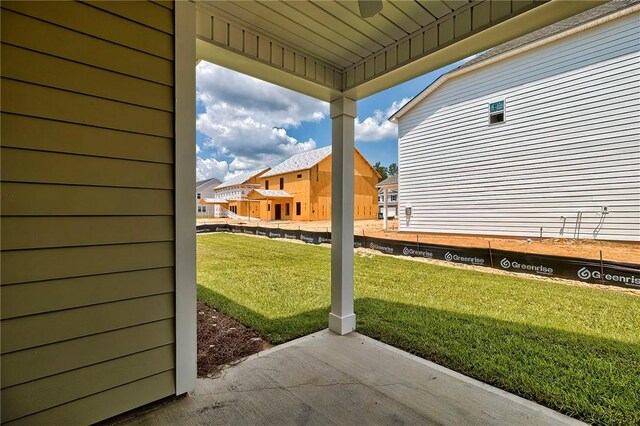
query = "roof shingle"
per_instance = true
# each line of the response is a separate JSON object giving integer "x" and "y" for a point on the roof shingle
{"x": 391, "y": 180}
{"x": 273, "y": 193}
{"x": 302, "y": 161}
{"x": 239, "y": 179}
{"x": 207, "y": 181}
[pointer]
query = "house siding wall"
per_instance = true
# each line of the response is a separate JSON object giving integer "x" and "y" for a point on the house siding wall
{"x": 87, "y": 240}
{"x": 206, "y": 191}
{"x": 570, "y": 144}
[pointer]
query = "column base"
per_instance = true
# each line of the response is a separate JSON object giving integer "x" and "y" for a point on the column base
{"x": 342, "y": 325}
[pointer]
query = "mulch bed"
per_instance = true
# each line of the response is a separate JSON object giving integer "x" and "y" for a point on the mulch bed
{"x": 223, "y": 340}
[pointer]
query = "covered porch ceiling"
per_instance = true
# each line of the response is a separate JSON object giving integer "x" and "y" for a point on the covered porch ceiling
{"x": 325, "y": 49}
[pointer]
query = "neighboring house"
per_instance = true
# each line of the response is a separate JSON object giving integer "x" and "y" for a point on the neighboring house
{"x": 536, "y": 137}
{"x": 299, "y": 188}
{"x": 229, "y": 198}
{"x": 388, "y": 189}
{"x": 205, "y": 189}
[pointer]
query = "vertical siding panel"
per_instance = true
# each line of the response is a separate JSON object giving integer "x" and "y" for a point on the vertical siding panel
{"x": 250, "y": 44}
{"x": 289, "y": 60}
{"x": 481, "y": 15}
{"x": 445, "y": 31}
{"x": 220, "y": 31}
{"x": 417, "y": 46}
{"x": 264, "y": 49}
{"x": 236, "y": 37}
{"x": 380, "y": 64}
{"x": 430, "y": 39}
{"x": 462, "y": 23}
{"x": 403, "y": 52}
{"x": 277, "y": 55}
{"x": 203, "y": 25}
{"x": 391, "y": 57}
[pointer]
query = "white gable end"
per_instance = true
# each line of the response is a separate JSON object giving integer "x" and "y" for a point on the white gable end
{"x": 568, "y": 149}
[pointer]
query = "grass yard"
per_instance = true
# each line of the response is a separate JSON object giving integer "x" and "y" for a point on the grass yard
{"x": 573, "y": 349}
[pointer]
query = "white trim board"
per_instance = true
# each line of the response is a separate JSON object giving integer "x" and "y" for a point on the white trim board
{"x": 184, "y": 192}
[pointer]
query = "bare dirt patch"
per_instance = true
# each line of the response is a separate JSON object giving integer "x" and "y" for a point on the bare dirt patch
{"x": 223, "y": 341}
{"x": 616, "y": 251}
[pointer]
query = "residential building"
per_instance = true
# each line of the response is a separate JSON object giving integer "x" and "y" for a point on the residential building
{"x": 299, "y": 188}
{"x": 229, "y": 198}
{"x": 537, "y": 137}
{"x": 388, "y": 191}
{"x": 205, "y": 189}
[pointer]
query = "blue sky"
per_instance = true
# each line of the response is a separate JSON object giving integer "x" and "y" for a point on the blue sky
{"x": 245, "y": 124}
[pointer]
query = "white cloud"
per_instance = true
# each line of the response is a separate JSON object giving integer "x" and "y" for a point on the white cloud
{"x": 210, "y": 168}
{"x": 246, "y": 119}
{"x": 377, "y": 127}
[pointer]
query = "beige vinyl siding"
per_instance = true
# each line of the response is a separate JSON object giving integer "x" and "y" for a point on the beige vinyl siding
{"x": 87, "y": 235}
{"x": 569, "y": 145}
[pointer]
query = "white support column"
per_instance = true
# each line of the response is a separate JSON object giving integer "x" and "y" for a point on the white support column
{"x": 342, "y": 320}
{"x": 185, "y": 180}
{"x": 385, "y": 194}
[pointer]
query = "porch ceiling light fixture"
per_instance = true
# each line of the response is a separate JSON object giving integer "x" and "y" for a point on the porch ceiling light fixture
{"x": 369, "y": 8}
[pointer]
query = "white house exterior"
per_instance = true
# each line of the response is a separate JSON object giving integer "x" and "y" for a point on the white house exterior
{"x": 565, "y": 160}
{"x": 392, "y": 203}
{"x": 388, "y": 198}
{"x": 205, "y": 189}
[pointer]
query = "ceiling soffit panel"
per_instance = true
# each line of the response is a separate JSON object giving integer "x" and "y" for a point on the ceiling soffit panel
{"x": 255, "y": 52}
{"x": 327, "y": 43}
{"x": 450, "y": 26}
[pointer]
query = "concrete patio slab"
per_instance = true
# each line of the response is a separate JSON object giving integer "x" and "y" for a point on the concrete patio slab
{"x": 324, "y": 378}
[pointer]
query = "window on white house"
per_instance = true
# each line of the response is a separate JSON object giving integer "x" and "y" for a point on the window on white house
{"x": 496, "y": 112}
{"x": 198, "y": 195}
{"x": 204, "y": 209}
{"x": 394, "y": 197}
{"x": 199, "y": 209}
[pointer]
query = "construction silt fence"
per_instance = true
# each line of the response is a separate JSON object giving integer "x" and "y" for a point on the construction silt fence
{"x": 585, "y": 270}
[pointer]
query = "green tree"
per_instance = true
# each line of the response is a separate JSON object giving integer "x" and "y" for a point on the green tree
{"x": 382, "y": 171}
{"x": 392, "y": 169}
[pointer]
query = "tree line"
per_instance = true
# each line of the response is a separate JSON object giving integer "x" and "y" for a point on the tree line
{"x": 384, "y": 171}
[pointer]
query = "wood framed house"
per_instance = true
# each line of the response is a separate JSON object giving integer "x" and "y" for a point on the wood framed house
{"x": 537, "y": 137}
{"x": 299, "y": 188}
{"x": 229, "y": 198}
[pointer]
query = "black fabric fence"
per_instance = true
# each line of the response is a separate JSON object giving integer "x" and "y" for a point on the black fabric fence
{"x": 586, "y": 270}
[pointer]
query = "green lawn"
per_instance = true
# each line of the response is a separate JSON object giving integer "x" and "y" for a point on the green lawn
{"x": 573, "y": 349}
